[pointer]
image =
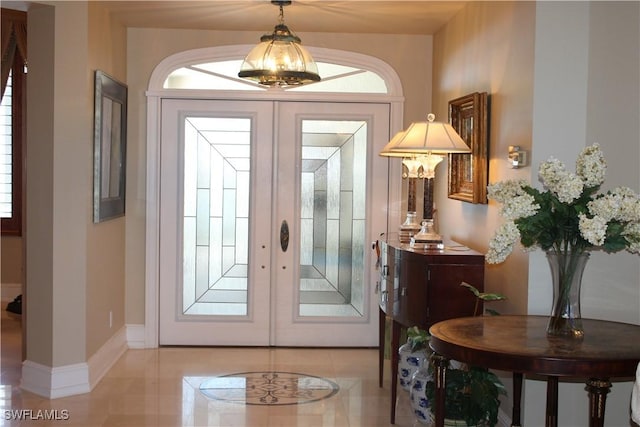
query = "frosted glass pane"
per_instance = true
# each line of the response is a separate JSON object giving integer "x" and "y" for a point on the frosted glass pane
{"x": 220, "y": 124}
{"x": 229, "y": 175}
{"x": 359, "y": 175}
{"x": 217, "y": 179}
{"x": 365, "y": 82}
{"x": 203, "y": 163}
{"x": 242, "y": 240}
{"x": 190, "y": 169}
{"x": 202, "y": 270}
{"x": 202, "y": 217}
{"x": 215, "y": 249}
{"x": 215, "y": 187}
{"x": 240, "y": 164}
{"x": 229, "y": 218}
{"x": 228, "y": 257}
{"x": 306, "y": 202}
{"x": 189, "y": 263}
{"x": 333, "y": 187}
{"x": 306, "y": 242}
{"x": 242, "y": 194}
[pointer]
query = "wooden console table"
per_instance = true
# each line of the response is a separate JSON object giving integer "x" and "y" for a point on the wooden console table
{"x": 420, "y": 287}
{"x": 520, "y": 344}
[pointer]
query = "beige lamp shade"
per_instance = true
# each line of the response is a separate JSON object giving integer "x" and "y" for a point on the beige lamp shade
{"x": 426, "y": 138}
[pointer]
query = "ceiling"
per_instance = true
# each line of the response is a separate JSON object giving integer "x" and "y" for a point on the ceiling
{"x": 346, "y": 16}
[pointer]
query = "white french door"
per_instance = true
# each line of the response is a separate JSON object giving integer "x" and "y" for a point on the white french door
{"x": 267, "y": 211}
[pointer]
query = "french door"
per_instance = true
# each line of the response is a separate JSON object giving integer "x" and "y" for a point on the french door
{"x": 267, "y": 213}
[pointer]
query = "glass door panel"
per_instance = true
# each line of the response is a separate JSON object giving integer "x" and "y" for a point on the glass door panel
{"x": 215, "y": 262}
{"x": 333, "y": 218}
{"x": 332, "y": 188}
{"x": 217, "y": 166}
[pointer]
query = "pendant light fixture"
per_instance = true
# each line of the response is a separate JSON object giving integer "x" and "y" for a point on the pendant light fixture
{"x": 279, "y": 59}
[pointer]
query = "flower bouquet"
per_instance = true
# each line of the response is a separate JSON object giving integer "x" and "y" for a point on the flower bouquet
{"x": 567, "y": 219}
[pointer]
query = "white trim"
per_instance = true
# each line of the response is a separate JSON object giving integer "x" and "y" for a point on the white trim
{"x": 56, "y": 382}
{"x": 107, "y": 356}
{"x": 135, "y": 336}
{"x": 156, "y": 93}
{"x": 71, "y": 380}
{"x": 152, "y": 243}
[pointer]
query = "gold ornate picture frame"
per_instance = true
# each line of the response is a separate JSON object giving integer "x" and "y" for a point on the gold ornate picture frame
{"x": 468, "y": 173}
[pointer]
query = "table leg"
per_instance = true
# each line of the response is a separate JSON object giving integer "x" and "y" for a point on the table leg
{"x": 552, "y": 402}
{"x": 598, "y": 389}
{"x": 381, "y": 336}
{"x": 395, "y": 343}
{"x": 440, "y": 364}
{"x": 517, "y": 399}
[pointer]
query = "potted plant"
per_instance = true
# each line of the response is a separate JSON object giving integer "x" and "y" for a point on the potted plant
{"x": 471, "y": 392}
{"x": 471, "y": 395}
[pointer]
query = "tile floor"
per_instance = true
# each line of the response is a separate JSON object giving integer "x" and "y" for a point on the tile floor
{"x": 161, "y": 387}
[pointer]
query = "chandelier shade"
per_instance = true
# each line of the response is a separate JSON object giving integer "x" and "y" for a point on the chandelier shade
{"x": 279, "y": 59}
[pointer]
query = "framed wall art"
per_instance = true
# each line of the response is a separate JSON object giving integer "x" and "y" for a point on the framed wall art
{"x": 468, "y": 173}
{"x": 110, "y": 147}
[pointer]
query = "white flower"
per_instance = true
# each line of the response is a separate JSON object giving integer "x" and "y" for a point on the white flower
{"x": 632, "y": 234}
{"x": 566, "y": 186}
{"x": 591, "y": 166}
{"x": 503, "y": 191}
{"x": 605, "y": 206}
{"x": 628, "y": 204}
{"x": 621, "y": 204}
{"x": 519, "y": 207}
{"x": 502, "y": 243}
{"x": 594, "y": 229}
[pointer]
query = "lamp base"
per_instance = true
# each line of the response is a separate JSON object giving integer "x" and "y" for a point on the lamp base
{"x": 427, "y": 238}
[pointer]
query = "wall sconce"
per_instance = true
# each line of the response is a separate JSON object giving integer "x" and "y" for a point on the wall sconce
{"x": 517, "y": 157}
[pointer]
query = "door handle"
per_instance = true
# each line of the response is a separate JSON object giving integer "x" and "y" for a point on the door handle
{"x": 284, "y": 235}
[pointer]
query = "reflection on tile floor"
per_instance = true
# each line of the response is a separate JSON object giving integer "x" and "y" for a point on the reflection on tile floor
{"x": 156, "y": 387}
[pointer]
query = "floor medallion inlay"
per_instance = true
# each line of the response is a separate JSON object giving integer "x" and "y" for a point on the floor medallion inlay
{"x": 268, "y": 388}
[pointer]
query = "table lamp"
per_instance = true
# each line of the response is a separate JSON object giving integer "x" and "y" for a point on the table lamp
{"x": 422, "y": 147}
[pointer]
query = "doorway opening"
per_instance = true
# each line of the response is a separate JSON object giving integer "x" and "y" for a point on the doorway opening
{"x": 330, "y": 213}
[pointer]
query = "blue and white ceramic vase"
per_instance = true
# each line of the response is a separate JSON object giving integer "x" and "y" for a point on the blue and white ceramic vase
{"x": 418, "y": 394}
{"x": 408, "y": 363}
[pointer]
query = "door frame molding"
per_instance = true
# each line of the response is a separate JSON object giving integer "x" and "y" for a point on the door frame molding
{"x": 156, "y": 93}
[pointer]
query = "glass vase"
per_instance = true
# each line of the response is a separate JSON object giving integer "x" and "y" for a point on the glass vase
{"x": 566, "y": 275}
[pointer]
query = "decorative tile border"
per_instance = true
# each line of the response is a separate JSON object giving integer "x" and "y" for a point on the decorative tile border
{"x": 268, "y": 388}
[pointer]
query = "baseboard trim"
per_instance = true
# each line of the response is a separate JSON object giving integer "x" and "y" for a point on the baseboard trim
{"x": 71, "y": 380}
{"x": 109, "y": 353}
{"x": 55, "y": 382}
{"x": 135, "y": 335}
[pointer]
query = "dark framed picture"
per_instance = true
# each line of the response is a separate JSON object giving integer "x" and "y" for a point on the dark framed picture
{"x": 468, "y": 173}
{"x": 110, "y": 148}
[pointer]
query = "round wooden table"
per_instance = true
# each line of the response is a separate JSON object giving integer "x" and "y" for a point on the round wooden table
{"x": 520, "y": 344}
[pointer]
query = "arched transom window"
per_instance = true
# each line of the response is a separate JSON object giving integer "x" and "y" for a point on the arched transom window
{"x": 223, "y": 75}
